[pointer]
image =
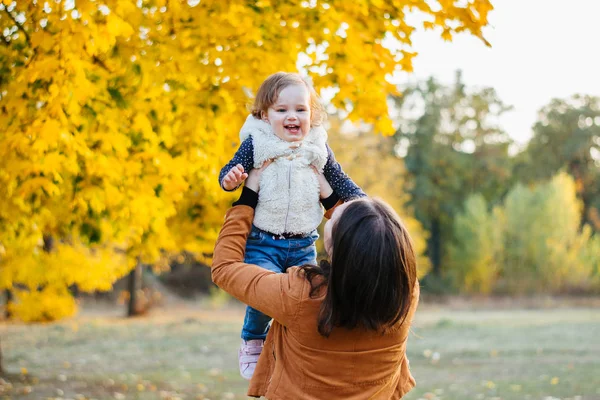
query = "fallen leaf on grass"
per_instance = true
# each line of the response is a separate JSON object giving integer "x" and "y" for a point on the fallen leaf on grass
{"x": 202, "y": 387}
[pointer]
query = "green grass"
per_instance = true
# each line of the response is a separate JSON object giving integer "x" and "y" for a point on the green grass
{"x": 520, "y": 354}
{"x": 187, "y": 352}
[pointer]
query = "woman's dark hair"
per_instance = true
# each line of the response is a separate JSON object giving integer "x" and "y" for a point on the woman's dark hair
{"x": 371, "y": 277}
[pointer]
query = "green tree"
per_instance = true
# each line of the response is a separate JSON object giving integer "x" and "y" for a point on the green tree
{"x": 545, "y": 249}
{"x": 371, "y": 162}
{"x": 452, "y": 147}
{"x": 567, "y": 137}
{"x": 476, "y": 252}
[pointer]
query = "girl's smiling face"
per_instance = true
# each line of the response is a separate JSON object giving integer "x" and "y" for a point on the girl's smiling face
{"x": 290, "y": 115}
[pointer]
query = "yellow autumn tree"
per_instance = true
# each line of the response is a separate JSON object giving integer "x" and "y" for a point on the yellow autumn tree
{"x": 115, "y": 117}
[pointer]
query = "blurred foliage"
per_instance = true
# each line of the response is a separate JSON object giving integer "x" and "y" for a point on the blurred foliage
{"x": 501, "y": 223}
{"x": 117, "y": 115}
{"x": 567, "y": 137}
{"x": 531, "y": 244}
{"x": 476, "y": 252}
{"x": 452, "y": 148}
{"x": 545, "y": 249}
{"x": 372, "y": 163}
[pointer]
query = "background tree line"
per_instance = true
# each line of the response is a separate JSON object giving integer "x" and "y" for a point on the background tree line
{"x": 487, "y": 217}
{"x": 500, "y": 220}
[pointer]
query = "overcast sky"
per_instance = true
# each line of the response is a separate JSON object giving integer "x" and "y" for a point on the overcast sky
{"x": 541, "y": 49}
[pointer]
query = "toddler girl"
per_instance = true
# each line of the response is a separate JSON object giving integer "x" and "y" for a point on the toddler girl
{"x": 285, "y": 129}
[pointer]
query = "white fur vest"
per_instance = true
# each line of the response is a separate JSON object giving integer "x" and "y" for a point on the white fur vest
{"x": 289, "y": 189}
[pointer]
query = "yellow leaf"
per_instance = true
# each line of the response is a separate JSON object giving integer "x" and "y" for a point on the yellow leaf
{"x": 142, "y": 124}
{"x": 117, "y": 27}
{"x": 447, "y": 35}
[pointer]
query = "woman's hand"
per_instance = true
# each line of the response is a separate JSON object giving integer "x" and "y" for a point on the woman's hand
{"x": 253, "y": 180}
{"x": 324, "y": 186}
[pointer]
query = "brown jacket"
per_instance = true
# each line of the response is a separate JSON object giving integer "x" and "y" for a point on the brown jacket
{"x": 297, "y": 362}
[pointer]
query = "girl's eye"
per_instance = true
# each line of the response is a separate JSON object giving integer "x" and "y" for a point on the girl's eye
{"x": 280, "y": 110}
{"x": 300, "y": 110}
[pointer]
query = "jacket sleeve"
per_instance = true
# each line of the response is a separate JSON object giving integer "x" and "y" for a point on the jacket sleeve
{"x": 244, "y": 155}
{"x": 341, "y": 183}
{"x": 276, "y": 295}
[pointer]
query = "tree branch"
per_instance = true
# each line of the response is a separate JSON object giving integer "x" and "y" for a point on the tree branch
{"x": 19, "y": 26}
{"x": 4, "y": 38}
{"x": 96, "y": 60}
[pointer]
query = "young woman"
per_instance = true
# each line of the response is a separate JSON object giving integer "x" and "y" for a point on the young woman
{"x": 339, "y": 329}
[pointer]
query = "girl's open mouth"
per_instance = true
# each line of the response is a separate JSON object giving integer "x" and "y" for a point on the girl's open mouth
{"x": 294, "y": 129}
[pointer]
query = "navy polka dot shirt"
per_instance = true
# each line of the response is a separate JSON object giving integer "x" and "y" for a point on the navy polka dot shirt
{"x": 341, "y": 183}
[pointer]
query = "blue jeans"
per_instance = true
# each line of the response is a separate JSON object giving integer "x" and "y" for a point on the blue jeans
{"x": 275, "y": 255}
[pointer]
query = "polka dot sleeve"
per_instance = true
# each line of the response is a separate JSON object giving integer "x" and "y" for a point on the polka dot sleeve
{"x": 341, "y": 183}
{"x": 244, "y": 155}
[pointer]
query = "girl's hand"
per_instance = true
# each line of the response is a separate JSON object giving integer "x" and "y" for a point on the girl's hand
{"x": 253, "y": 181}
{"x": 234, "y": 177}
{"x": 324, "y": 186}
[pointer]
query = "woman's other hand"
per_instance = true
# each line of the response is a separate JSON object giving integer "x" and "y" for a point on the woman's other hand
{"x": 324, "y": 186}
{"x": 253, "y": 180}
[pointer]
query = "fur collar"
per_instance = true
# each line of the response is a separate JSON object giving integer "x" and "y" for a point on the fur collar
{"x": 267, "y": 145}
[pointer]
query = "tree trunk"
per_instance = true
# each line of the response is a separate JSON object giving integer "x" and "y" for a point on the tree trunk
{"x": 134, "y": 286}
{"x": 48, "y": 243}
{"x": 9, "y": 299}
{"x": 2, "y": 372}
{"x": 435, "y": 247}
{"x": 8, "y": 316}
{"x": 74, "y": 289}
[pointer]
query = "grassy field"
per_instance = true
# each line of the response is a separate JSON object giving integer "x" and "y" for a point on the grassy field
{"x": 188, "y": 351}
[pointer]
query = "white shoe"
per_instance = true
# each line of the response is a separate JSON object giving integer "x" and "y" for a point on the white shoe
{"x": 248, "y": 356}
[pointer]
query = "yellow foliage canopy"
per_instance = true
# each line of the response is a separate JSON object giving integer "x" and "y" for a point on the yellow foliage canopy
{"x": 116, "y": 115}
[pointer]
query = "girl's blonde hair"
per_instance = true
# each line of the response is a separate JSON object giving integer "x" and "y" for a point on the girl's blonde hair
{"x": 269, "y": 90}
